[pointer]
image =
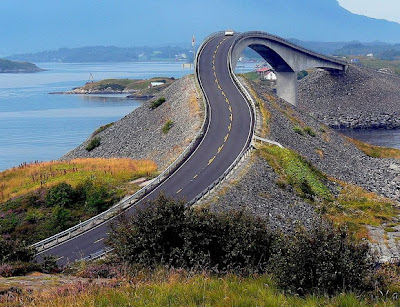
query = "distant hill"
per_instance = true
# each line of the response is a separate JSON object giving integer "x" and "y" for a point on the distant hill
{"x": 107, "y": 54}
{"x": 7, "y": 66}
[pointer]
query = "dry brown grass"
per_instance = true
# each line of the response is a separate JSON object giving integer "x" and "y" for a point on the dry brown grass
{"x": 375, "y": 151}
{"x": 30, "y": 177}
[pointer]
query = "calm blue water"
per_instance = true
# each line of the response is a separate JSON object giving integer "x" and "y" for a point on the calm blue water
{"x": 37, "y": 126}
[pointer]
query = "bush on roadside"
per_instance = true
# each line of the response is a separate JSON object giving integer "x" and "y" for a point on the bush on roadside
{"x": 323, "y": 260}
{"x": 167, "y": 233}
{"x": 94, "y": 142}
{"x": 62, "y": 195}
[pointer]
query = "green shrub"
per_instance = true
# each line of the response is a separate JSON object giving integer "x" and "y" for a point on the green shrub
{"x": 298, "y": 130}
{"x": 94, "y": 142}
{"x": 168, "y": 233}
{"x": 168, "y": 125}
{"x": 325, "y": 260}
{"x": 62, "y": 195}
{"x": 156, "y": 103}
{"x": 102, "y": 128}
{"x": 309, "y": 131}
{"x": 15, "y": 250}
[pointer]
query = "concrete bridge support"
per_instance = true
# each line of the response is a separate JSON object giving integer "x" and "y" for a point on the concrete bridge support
{"x": 286, "y": 86}
{"x": 286, "y": 58}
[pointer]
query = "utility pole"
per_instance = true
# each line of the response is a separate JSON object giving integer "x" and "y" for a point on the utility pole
{"x": 194, "y": 52}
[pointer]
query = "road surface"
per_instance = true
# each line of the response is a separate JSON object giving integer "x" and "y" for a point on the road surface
{"x": 228, "y": 133}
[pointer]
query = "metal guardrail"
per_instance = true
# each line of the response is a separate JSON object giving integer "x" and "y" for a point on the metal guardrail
{"x": 131, "y": 200}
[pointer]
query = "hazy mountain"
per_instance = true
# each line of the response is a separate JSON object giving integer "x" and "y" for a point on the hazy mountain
{"x": 107, "y": 54}
{"x": 75, "y": 23}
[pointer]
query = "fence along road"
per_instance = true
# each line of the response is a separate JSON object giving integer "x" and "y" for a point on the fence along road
{"x": 227, "y": 137}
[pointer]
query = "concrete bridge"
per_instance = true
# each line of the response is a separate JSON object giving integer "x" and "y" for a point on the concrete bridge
{"x": 286, "y": 58}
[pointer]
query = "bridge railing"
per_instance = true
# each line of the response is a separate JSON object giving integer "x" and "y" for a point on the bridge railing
{"x": 128, "y": 202}
{"x": 289, "y": 44}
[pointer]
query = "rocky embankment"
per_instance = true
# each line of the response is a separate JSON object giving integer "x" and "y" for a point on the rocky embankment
{"x": 256, "y": 186}
{"x": 140, "y": 135}
{"x": 362, "y": 98}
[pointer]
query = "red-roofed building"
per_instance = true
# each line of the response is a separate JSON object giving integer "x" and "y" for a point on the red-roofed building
{"x": 266, "y": 73}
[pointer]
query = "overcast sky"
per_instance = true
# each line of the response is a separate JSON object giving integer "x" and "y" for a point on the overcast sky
{"x": 384, "y": 9}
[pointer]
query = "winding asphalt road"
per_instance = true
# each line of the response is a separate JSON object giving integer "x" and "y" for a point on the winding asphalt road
{"x": 228, "y": 133}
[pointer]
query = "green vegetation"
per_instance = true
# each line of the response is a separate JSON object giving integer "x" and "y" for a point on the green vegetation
{"x": 140, "y": 88}
{"x": 156, "y": 103}
{"x": 294, "y": 170}
{"x": 393, "y": 65}
{"x": 102, "y": 128}
{"x": 310, "y": 131}
{"x": 169, "y": 234}
{"x": 93, "y": 143}
{"x": 357, "y": 208}
{"x": 7, "y": 66}
{"x": 298, "y": 130}
{"x": 304, "y": 131}
{"x": 167, "y": 126}
{"x": 252, "y": 75}
{"x": 38, "y": 200}
{"x": 177, "y": 288}
{"x": 353, "y": 206}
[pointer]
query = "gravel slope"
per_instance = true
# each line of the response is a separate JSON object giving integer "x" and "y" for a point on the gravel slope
{"x": 362, "y": 98}
{"x": 139, "y": 134}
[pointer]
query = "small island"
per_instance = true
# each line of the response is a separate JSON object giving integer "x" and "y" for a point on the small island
{"x": 134, "y": 88}
{"x": 7, "y": 66}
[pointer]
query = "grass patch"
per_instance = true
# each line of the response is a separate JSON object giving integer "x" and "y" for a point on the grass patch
{"x": 296, "y": 171}
{"x": 102, "y": 128}
{"x": 375, "y": 151}
{"x": 30, "y": 177}
{"x": 93, "y": 143}
{"x": 156, "y": 103}
{"x": 353, "y": 206}
{"x": 167, "y": 126}
{"x": 299, "y": 130}
{"x": 184, "y": 289}
{"x": 309, "y": 131}
{"x": 39, "y": 200}
{"x": 358, "y": 208}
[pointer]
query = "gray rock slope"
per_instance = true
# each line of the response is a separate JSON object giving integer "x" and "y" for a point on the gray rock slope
{"x": 139, "y": 134}
{"x": 363, "y": 98}
{"x": 255, "y": 188}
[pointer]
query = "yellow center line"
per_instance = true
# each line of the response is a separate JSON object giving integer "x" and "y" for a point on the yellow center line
{"x": 220, "y": 148}
{"x": 216, "y": 80}
{"x": 230, "y": 108}
{"x": 195, "y": 176}
{"x": 215, "y": 74}
{"x": 227, "y": 100}
{"x": 230, "y": 127}
{"x": 211, "y": 160}
{"x": 223, "y": 94}
{"x": 219, "y": 86}
{"x": 226, "y": 137}
{"x": 231, "y": 117}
